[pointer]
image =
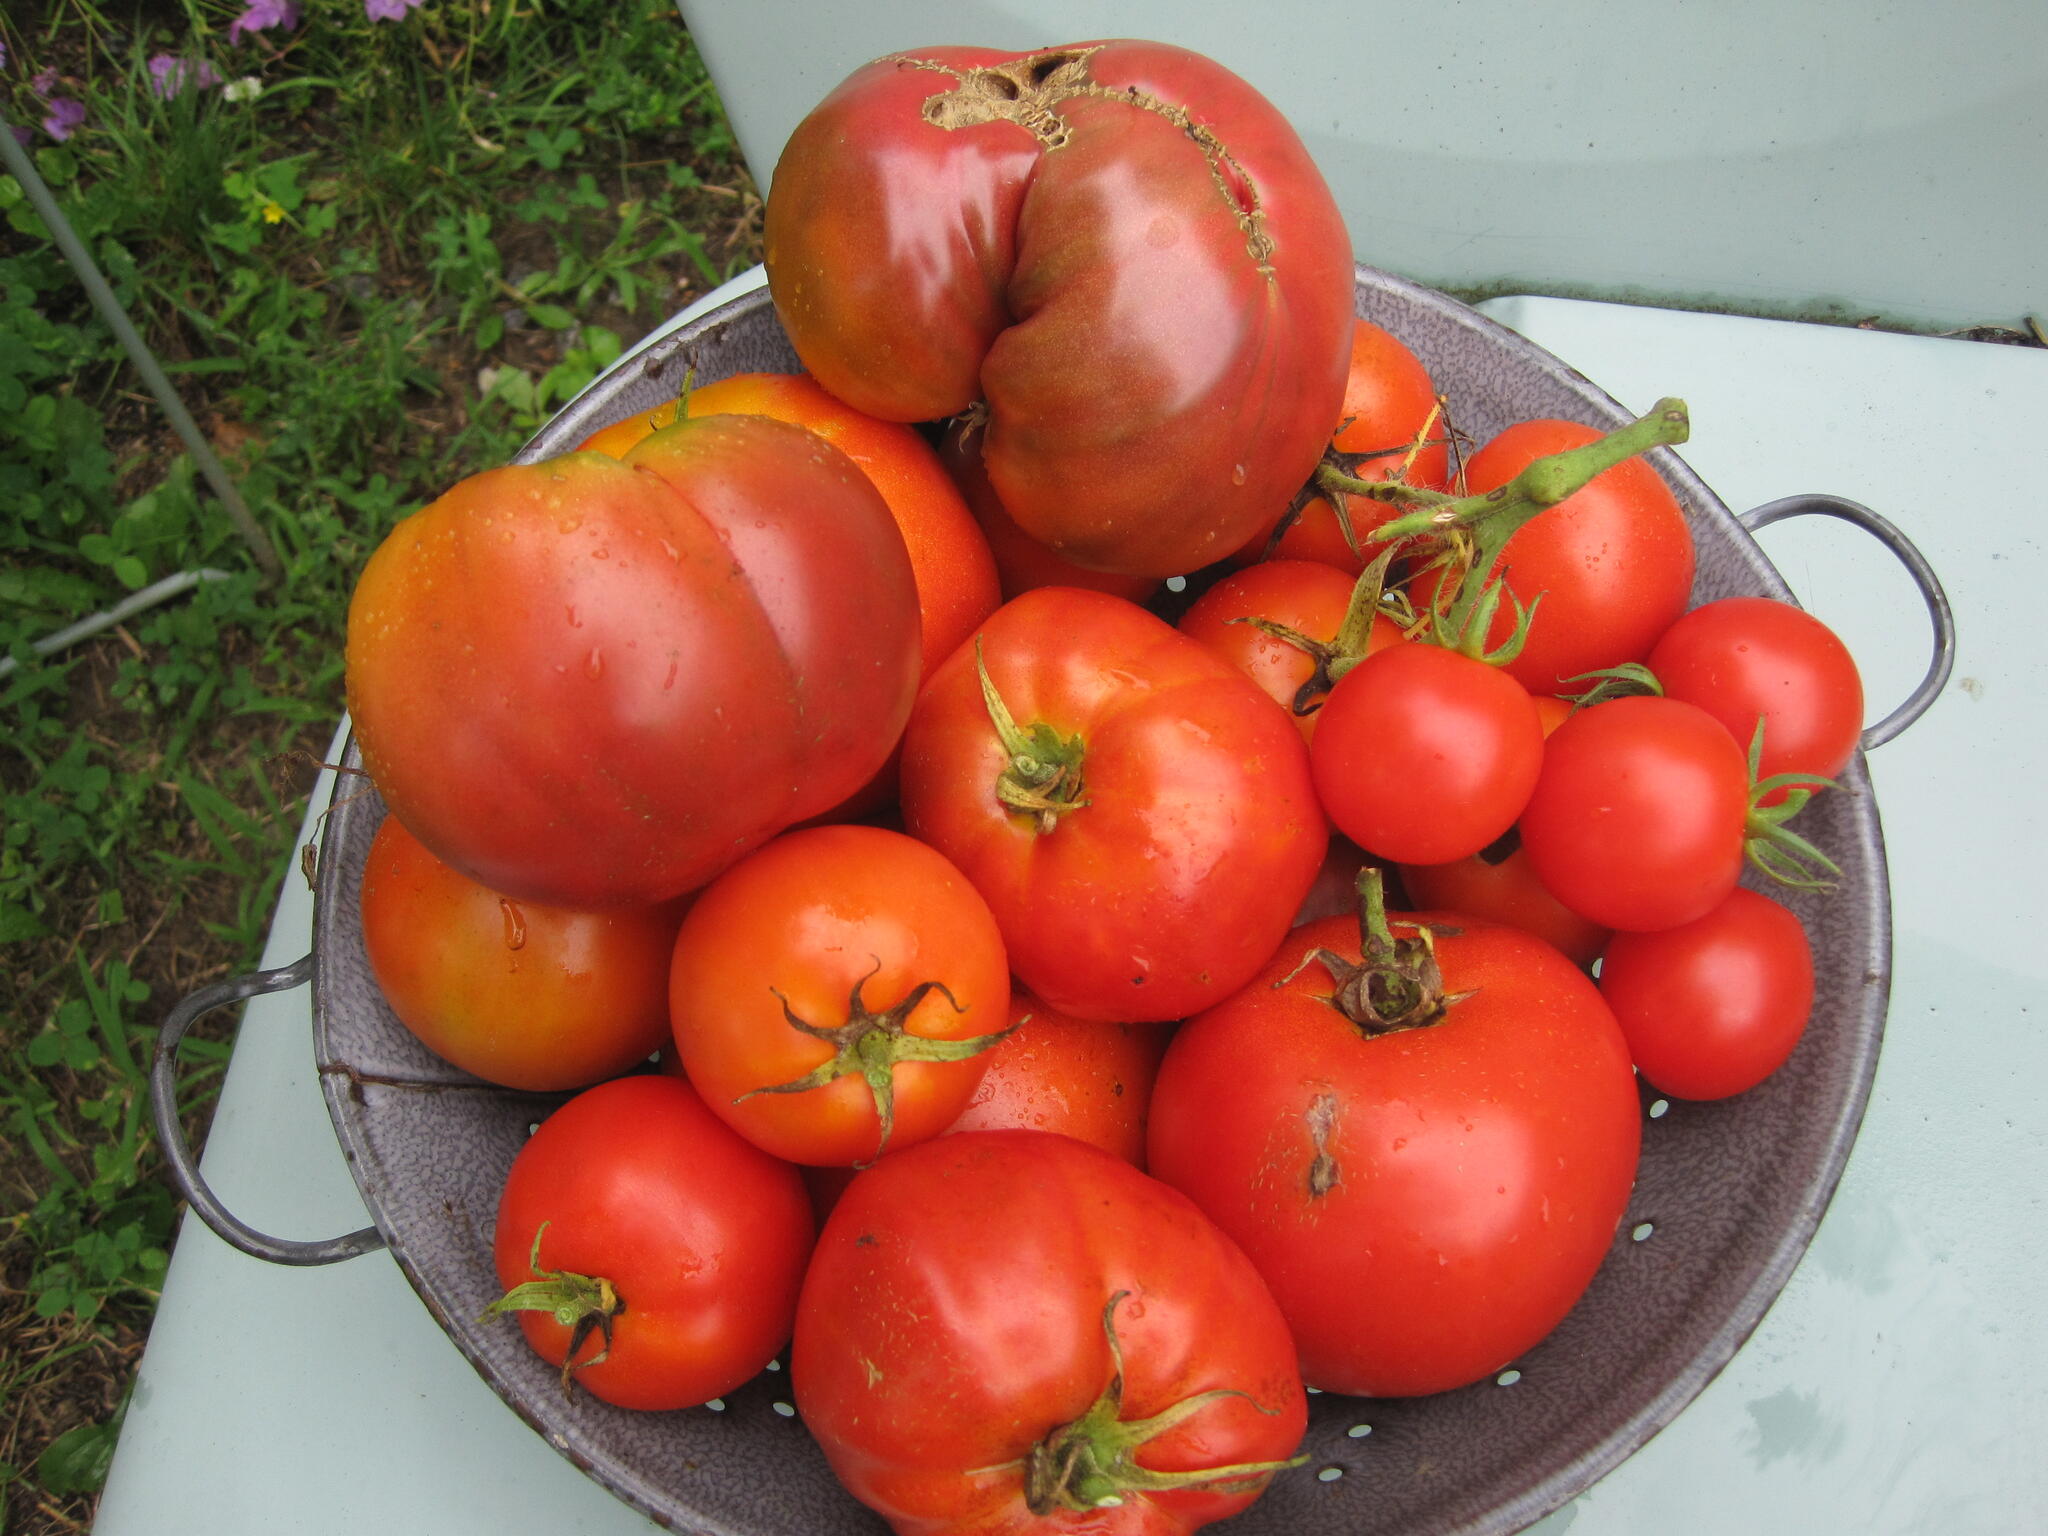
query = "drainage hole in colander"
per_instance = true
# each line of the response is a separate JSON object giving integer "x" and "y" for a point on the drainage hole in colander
{"x": 1329, "y": 1474}
{"x": 1176, "y": 583}
{"x": 1642, "y": 1230}
{"x": 533, "y": 1127}
{"x": 1508, "y": 1377}
{"x": 1659, "y": 1108}
{"x": 1359, "y": 1431}
{"x": 787, "y": 1410}
{"x": 774, "y": 1365}
{"x": 716, "y": 1405}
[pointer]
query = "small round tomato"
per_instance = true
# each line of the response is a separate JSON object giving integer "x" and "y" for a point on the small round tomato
{"x": 1081, "y": 1078}
{"x": 1014, "y": 1332}
{"x": 1424, "y": 754}
{"x": 648, "y": 1250}
{"x": 1750, "y": 659}
{"x": 1389, "y": 405}
{"x": 1612, "y": 562}
{"x": 1426, "y": 1194}
{"x": 1714, "y": 1006}
{"x": 517, "y": 993}
{"x": 1304, "y": 596}
{"x": 1640, "y": 814}
{"x": 831, "y": 993}
{"x": 1136, "y": 813}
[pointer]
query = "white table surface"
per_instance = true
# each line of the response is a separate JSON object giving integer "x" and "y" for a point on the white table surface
{"x": 1900, "y": 1383}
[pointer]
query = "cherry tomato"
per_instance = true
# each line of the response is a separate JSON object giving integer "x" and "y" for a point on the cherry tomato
{"x": 830, "y": 993}
{"x": 1303, "y": 595}
{"x": 517, "y": 993}
{"x": 1613, "y": 562}
{"x": 1424, "y": 754}
{"x": 1143, "y": 827}
{"x": 1745, "y": 659}
{"x": 677, "y": 1246}
{"x": 1081, "y": 1078}
{"x": 984, "y": 1310}
{"x": 1389, "y": 403}
{"x": 1505, "y": 890}
{"x": 592, "y": 683}
{"x": 1426, "y": 1203}
{"x": 1120, "y": 247}
{"x": 1714, "y": 1006}
{"x": 1639, "y": 816}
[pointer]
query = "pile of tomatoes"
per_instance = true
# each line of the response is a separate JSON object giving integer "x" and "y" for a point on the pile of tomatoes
{"x": 1070, "y": 1031}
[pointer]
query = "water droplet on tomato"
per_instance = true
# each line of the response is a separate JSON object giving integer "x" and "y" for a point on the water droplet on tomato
{"x": 669, "y": 681}
{"x": 574, "y": 622}
{"x": 1237, "y": 475}
{"x": 515, "y": 923}
{"x": 594, "y": 662}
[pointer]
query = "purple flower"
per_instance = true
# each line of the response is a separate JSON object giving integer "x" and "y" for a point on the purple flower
{"x": 172, "y": 74}
{"x": 390, "y": 10}
{"x": 262, "y": 15}
{"x": 65, "y": 118}
{"x": 44, "y": 83}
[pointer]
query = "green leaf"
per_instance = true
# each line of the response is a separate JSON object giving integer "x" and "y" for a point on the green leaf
{"x": 553, "y": 316}
{"x": 131, "y": 573}
{"x": 490, "y": 331}
{"x": 77, "y": 1460}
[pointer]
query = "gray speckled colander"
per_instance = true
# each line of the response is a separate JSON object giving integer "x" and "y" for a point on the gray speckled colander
{"x": 1733, "y": 1190}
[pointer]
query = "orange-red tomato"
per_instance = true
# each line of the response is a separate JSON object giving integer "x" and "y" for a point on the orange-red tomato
{"x": 851, "y": 929}
{"x": 949, "y": 557}
{"x": 517, "y": 993}
{"x": 1084, "y": 1079}
{"x": 1306, "y": 596}
{"x": 1388, "y": 401}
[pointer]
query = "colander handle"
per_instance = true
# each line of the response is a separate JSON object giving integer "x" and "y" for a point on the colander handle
{"x": 184, "y": 1168}
{"x": 1903, "y": 549}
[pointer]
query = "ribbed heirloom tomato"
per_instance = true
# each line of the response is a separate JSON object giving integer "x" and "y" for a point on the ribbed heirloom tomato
{"x": 1137, "y": 814}
{"x": 1011, "y": 1332}
{"x": 1120, "y": 247}
{"x": 590, "y": 682}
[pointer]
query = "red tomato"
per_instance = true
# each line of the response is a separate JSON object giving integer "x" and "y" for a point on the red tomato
{"x": 1023, "y": 562}
{"x": 525, "y": 995}
{"x": 594, "y": 683}
{"x": 1083, "y": 1079}
{"x": 1505, "y": 890}
{"x": 1426, "y": 755}
{"x": 828, "y": 993}
{"x": 1305, "y": 596}
{"x": 1639, "y": 817}
{"x": 1745, "y": 659}
{"x": 677, "y": 1236}
{"x": 982, "y": 1313}
{"x": 949, "y": 558}
{"x": 1714, "y": 1006}
{"x": 1388, "y": 403}
{"x": 1613, "y": 561}
{"x": 1176, "y": 832}
{"x": 1426, "y": 1204}
{"x": 1121, "y": 247}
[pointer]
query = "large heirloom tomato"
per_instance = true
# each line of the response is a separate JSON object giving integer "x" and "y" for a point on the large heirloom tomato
{"x": 591, "y": 682}
{"x": 517, "y": 993}
{"x": 1121, "y": 247}
{"x": 991, "y": 1319}
{"x": 1136, "y": 812}
{"x": 1427, "y": 1194}
{"x": 649, "y": 1250}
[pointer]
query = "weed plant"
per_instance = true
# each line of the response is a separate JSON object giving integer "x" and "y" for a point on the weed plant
{"x": 373, "y": 256}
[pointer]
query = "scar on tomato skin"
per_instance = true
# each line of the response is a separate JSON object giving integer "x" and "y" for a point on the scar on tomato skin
{"x": 1321, "y": 1120}
{"x": 1029, "y": 91}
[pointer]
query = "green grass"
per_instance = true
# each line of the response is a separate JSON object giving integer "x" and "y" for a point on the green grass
{"x": 381, "y": 273}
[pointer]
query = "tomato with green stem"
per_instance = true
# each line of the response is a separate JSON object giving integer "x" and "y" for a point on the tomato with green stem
{"x": 648, "y": 1250}
{"x": 1014, "y": 1332}
{"x": 1137, "y": 814}
{"x": 831, "y": 994}
{"x": 1423, "y": 1132}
